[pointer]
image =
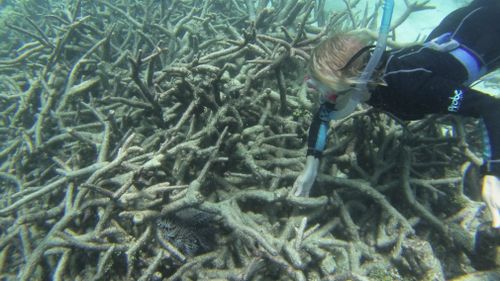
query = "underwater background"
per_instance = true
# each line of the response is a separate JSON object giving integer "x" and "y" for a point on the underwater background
{"x": 159, "y": 140}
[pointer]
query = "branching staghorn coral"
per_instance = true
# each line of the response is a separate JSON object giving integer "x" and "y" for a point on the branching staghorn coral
{"x": 124, "y": 121}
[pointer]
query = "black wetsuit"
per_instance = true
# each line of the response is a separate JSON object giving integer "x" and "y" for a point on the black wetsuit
{"x": 421, "y": 80}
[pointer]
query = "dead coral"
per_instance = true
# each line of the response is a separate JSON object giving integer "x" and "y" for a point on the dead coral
{"x": 118, "y": 118}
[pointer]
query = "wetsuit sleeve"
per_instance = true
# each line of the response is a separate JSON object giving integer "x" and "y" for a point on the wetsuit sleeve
{"x": 440, "y": 95}
{"x": 316, "y": 140}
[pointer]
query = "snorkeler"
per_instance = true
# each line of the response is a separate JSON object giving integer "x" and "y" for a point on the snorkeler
{"x": 433, "y": 78}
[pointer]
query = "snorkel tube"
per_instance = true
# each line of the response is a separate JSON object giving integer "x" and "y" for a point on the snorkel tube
{"x": 357, "y": 94}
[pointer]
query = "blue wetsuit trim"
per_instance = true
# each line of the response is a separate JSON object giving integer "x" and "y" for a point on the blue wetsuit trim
{"x": 471, "y": 64}
{"x": 470, "y": 61}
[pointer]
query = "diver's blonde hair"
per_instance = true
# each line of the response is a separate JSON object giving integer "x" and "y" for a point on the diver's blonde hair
{"x": 331, "y": 56}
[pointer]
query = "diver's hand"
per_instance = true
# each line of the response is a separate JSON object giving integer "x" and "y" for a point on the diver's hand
{"x": 304, "y": 181}
{"x": 491, "y": 196}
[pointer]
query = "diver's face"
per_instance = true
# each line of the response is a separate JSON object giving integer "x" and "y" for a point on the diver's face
{"x": 327, "y": 94}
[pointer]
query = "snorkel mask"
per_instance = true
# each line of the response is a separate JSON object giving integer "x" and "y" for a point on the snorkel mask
{"x": 326, "y": 93}
{"x": 329, "y": 94}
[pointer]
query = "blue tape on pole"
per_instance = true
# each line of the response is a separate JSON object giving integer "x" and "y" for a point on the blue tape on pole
{"x": 486, "y": 140}
{"x": 321, "y": 140}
